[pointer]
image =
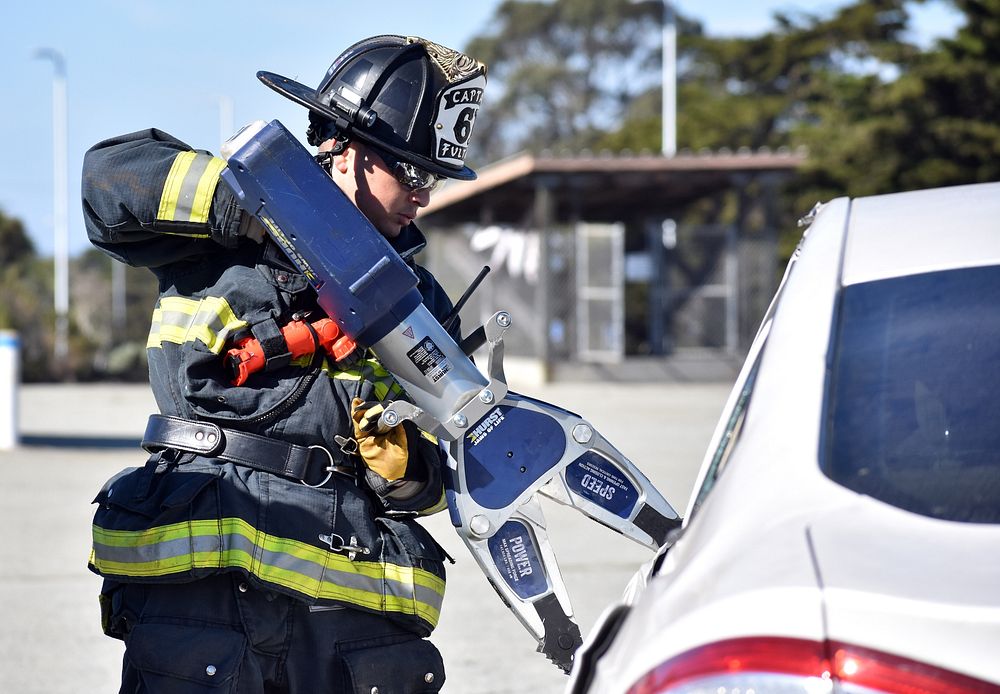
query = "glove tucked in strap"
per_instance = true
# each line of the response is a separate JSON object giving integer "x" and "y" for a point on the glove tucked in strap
{"x": 384, "y": 449}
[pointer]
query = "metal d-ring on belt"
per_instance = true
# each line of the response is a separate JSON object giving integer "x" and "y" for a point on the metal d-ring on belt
{"x": 249, "y": 450}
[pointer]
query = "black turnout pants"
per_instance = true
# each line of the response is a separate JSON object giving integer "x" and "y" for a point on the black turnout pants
{"x": 221, "y": 635}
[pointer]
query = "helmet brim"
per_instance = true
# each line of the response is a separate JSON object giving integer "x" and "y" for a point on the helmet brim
{"x": 310, "y": 98}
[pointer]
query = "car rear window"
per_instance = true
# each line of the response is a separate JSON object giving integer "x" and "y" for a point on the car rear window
{"x": 913, "y": 415}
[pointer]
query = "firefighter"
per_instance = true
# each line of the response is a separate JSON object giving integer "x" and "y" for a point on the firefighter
{"x": 269, "y": 543}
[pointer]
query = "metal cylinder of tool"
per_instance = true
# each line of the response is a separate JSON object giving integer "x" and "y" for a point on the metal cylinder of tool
{"x": 437, "y": 375}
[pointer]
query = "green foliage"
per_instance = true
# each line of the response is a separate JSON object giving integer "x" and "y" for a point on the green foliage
{"x": 562, "y": 72}
{"x": 119, "y": 328}
{"x": 22, "y": 283}
{"x": 26, "y": 285}
{"x": 15, "y": 244}
{"x": 99, "y": 347}
{"x": 935, "y": 124}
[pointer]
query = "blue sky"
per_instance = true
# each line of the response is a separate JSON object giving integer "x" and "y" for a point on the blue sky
{"x": 181, "y": 65}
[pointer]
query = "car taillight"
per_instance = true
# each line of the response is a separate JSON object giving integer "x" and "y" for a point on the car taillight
{"x": 777, "y": 664}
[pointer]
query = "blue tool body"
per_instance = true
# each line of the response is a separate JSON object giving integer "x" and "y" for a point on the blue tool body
{"x": 360, "y": 280}
{"x": 515, "y": 448}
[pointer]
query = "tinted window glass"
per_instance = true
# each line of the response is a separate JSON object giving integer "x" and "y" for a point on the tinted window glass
{"x": 914, "y": 408}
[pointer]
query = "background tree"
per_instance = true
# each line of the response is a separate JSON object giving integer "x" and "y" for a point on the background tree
{"x": 937, "y": 123}
{"x": 15, "y": 244}
{"x": 572, "y": 73}
{"x": 563, "y": 73}
{"x": 120, "y": 339}
{"x": 97, "y": 347}
{"x": 27, "y": 306}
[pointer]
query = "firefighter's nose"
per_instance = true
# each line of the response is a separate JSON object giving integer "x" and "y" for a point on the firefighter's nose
{"x": 421, "y": 197}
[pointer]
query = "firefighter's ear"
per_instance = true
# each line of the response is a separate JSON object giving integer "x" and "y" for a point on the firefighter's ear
{"x": 342, "y": 160}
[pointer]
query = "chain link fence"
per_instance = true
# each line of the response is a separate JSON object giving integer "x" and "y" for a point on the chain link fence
{"x": 711, "y": 288}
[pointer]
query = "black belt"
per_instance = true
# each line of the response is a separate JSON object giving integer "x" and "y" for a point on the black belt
{"x": 249, "y": 450}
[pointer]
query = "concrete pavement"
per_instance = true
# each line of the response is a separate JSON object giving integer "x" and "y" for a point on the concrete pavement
{"x": 80, "y": 435}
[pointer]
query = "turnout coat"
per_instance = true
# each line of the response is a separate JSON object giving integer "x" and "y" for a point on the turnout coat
{"x": 151, "y": 201}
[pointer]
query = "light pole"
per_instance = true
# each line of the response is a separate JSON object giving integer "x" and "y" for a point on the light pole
{"x": 668, "y": 137}
{"x": 59, "y": 202}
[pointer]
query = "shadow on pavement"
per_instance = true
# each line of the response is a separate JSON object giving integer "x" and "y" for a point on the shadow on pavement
{"x": 77, "y": 441}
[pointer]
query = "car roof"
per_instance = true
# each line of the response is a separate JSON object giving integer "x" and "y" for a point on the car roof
{"x": 922, "y": 231}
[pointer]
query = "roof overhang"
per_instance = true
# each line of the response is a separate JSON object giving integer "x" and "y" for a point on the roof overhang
{"x": 604, "y": 187}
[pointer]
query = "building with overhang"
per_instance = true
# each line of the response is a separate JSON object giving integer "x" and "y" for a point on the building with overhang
{"x": 602, "y": 278}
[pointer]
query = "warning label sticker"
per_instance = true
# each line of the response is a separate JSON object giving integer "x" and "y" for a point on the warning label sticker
{"x": 429, "y": 358}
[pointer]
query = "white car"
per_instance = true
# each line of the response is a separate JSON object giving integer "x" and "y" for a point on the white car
{"x": 844, "y": 531}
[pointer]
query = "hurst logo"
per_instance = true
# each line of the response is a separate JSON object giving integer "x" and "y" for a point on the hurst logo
{"x": 485, "y": 426}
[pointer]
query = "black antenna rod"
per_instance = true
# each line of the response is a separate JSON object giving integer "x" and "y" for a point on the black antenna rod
{"x": 453, "y": 316}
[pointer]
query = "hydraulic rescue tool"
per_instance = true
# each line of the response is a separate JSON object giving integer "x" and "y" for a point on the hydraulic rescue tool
{"x": 505, "y": 448}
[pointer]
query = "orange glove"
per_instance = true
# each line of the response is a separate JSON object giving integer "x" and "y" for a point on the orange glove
{"x": 384, "y": 450}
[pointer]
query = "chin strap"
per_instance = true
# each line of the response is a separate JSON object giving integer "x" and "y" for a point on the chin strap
{"x": 325, "y": 159}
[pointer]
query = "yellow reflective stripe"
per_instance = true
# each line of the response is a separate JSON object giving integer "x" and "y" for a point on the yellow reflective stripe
{"x": 189, "y": 187}
{"x": 441, "y": 505}
{"x": 368, "y": 369}
{"x": 232, "y": 542}
{"x": 185, "y": 235}
{"x": 306, "y": 360}
{"x": 172, "y": 186}
{"x": 373, "y": 371}
{"x": 178, "y": 319}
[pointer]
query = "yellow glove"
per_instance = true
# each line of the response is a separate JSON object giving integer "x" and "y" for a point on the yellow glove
{"x": 383, "y": 450}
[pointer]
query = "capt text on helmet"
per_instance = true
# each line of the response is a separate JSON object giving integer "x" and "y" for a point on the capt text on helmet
{"x": 261, "y": 546}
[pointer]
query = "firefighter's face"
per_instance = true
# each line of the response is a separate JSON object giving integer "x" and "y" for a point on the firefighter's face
{"x": 367, "y": 181}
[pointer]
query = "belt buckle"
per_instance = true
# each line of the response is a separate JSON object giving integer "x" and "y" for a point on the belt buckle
{"x": 330, "y": 469}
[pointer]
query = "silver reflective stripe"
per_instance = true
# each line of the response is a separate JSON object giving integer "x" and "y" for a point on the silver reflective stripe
{"x": 189, "y": 187}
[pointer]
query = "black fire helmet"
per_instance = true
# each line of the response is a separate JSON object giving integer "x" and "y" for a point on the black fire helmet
{"x": 413, "y": 98}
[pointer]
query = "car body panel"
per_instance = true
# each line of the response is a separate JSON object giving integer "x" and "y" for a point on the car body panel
{"x": 776, "y": 548}
{"x": 936, "y": 599}
{"x": 901, "y": 234}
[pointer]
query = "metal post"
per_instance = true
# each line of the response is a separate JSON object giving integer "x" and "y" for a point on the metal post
{"x": 9, "y": 381}
{"x": 118, "y": 303}
{"x": 661, "y": 238}
{"x": 731, "y": 265}
{"x": 542, "y": 218}
{"x": 669, "y": 107}
{"x": 60, "y": 190}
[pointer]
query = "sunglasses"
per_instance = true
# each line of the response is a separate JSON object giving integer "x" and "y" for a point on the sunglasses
{"x": 411, "y": 177}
